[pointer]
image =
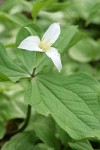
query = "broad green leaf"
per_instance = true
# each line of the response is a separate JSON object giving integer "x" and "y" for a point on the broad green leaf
{"x": 7, "y": 5}
{"x": 11, "y": 104}
{"x": 94, "y": 13}
{"x": 27, "y": 59}
{"x": 42, "y": 147}
{"x": 72, "y": 101}
{"x": 23, "y": 140}
{"x": 4, "y": 113}
{"x": 32, "y": 91}
{"x": 69, "y": 36}
{"x": 84, "y": 51}
{"x": 63, "y": 136}
{"x": 76, "y": 38}
{"x": 81, "y": 145}
{"x": 18, "y": 19}
{"x": 9, "y": 68}
{"x": 59, "y": 6}
{"x": 3, "y": 106}
{"x": 75, "y": 145}
{"x": 37, "y": 6}
{"x": 3, "y": 78}
{"x": 27, "y": 5}
{"x": 44, "y": 128}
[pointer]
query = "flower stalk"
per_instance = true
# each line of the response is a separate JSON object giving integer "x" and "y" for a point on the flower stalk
{"x": 27, "y": 119}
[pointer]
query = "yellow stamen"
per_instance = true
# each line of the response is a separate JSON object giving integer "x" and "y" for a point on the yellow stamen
{"x": 45, "y": 45}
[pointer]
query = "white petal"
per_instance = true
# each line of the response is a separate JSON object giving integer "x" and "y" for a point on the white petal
{"x": 31, "y": 43}
{"x": 55, "y": 57}
{"x": 52, "y": 33}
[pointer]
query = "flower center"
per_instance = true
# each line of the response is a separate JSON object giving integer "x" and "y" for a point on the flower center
{"x": 45, "y": 45}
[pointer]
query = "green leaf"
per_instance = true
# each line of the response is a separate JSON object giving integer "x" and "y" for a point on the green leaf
{"x": 7, "y": 5}
{"x": 11, "y": 105}
{"x": 10, "y": 68}
{"x": 42, "y": 147}
{"x": 69, "y": 36}
{"x": 4, "y": 113}
{"x": 37, "y": 6}
{"x": 81, "y": 145}
{"x": 94, "y": 13}
{"x": 31, "y": 31}
{"x": 84, "y": 51}
{"x": 32, "y": 91}
{"x": 3, "y": 78}
{"x": 63, "y": 136}
{"x": 23, "y": 140}
{"x": 18, "y": 19}
{"x": 73, "y": 102}
{"x": 27, "y": 59}
{"x": 59, "y": 6}
{"x": 5, "y": 109}
{"x": 45, "y": 129}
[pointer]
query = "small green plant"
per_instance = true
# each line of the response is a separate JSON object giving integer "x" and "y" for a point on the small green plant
{"x": 49, "y": 81}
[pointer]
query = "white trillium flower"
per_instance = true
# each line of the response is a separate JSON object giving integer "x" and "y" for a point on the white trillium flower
{"x": 33, "y": 43}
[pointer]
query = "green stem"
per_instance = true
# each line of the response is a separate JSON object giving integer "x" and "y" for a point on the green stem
{"x": 9, "y": 135}
{"x": 26, "y": 120}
